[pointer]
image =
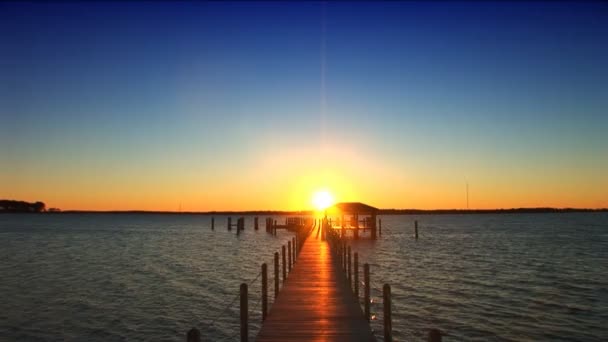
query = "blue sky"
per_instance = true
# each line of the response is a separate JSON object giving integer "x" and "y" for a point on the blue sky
{"x": 495, "y": 93}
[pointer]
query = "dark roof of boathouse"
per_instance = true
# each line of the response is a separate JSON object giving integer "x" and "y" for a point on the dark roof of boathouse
{"x": 354, "y": 207}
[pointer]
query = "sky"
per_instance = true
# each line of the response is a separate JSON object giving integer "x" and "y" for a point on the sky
{"x": 249, "y": 106}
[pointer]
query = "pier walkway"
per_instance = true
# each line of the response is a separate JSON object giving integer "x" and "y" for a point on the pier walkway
{"x": 316, "y": 303}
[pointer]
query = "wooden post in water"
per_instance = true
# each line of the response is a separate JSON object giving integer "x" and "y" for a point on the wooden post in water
{"x": 434, "y": 335}
{"x": 350, "y": 269}
{"x": 276, "y": 275}
{"x": 380, "y": 227}
{"x": 284, "y": 266}
{"x": 293, "y": 243}
{"x": 238, "y": 226}
{"x": 416, "y": 229}
{"x": 388, "y": 321}
{"x": 289, "y": 256}
{"x": 356, "y": 270}
{"x": 230, "y": 223}
{"x": 374, "y": 226}
{"x": 344, "y": 259}
{"x": 264, "y": 291}
{"x": 255, "y": 223}
{"x": 213, "y": 223}
{"x": 274, "y": 228}
{"x": 194, "y": 335}
{"x": 244, "y": 314}
{"x": 367, "y": 289}
{"x": 356, "y": 231}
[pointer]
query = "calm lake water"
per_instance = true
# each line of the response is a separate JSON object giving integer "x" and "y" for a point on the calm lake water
{"x": 104, "y": 277}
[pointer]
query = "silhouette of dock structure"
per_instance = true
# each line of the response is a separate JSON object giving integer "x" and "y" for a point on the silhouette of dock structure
{"x": 316, "y": 302}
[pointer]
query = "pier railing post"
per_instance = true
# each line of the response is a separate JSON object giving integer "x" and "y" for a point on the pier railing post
{"x": 264, "y": 291}
{"x": 194, "y": 335}
{"x": 367, "y": 289}
{"x": 244, "y": 314}
{"x": 284, "y": 263}
{"x": 350, "y": 269}
{"x": 388, "y": 321}
{"x": 276, "y": 275}
{"x": 289, "y": 255}
{"x": 356, "y": 270}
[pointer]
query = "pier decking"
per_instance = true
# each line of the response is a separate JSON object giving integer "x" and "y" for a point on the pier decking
{"x": 316, "y": 303}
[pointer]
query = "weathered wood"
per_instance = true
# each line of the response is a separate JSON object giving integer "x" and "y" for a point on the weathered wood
{"x": 350, "y": 268}
{"x": 284, "y": 263}
{"x": 244, "y": 313}
{"x": 255, "y": 223}
{"x": 289, "y": 256}
{"x": 434, "y": 335}
{"x": 276, "y": 275}
{"x": 230, "y": 223}
{"x": 356, "y": 270}
{"x": 316, "y": 304}
{"x": 380, "y": 227}
{"x": 367, "y": 290}
{"x": 388, "y": 321}
{"x": 194, "y": 335}
{"x": 264, "y": 291}
{"x": 213, "y": 223}
{"x": 416, "y": 228}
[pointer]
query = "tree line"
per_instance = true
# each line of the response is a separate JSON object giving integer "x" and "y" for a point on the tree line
{"x": 12, "y": 206}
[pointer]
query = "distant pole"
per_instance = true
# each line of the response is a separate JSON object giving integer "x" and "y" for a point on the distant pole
{"x": 244, "y": 313}
{"x": 380, "y": 227}
{"x": 276, "y": 275}
{"x": 367, "y": 289}
{"x": 230, "y": 223}
{"x": 264, "y": 291}
{"x": 255, "y": 223}
{"x": 388, "y": 321}
{"x": 213, "y": 223}
{"x": 416, "y": 229}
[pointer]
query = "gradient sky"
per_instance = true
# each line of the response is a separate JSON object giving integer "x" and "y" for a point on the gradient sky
{"x": 243, "y": 106}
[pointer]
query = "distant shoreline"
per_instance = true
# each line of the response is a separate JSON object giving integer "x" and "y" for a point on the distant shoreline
{"x": 380, "y": 212}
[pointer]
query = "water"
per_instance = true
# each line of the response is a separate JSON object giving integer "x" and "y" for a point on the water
{"x": 106, "y": 277}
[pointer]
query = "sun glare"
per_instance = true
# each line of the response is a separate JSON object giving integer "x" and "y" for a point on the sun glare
{"x": 322, "y": 199}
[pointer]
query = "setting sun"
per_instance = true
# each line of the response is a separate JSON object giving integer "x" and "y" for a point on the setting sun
{"x": 322, "y": 199}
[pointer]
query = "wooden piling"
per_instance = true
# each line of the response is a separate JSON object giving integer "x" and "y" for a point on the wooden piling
{"x": 244, "y": 314}
{"x": 356, "y": 270}
{"x": 293, "y": 243}
{"x": 213, "y": 223}
{"x": 255, "y": 223}
{"x": 434, "y": 335}
{"x": 416, "y": 229}
{"x": 264, "y": 291}
{"x": 344, "y": 258}
{"x": 367, "y": 290}
{"x": 350, "y": 269}
{"x": 276, "y": 275}
{"x": 284, "y": 266}
{"x": 374, "y": 227}
{"x": 388, "y": 321}
{"x": 289, "y": 256}
{"x": 230, "y": 223}
{"x": 194, "y": 335}
{"x": 380, "y": 227}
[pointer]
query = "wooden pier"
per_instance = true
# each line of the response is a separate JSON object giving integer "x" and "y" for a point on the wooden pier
{"x": 316, "y": 302}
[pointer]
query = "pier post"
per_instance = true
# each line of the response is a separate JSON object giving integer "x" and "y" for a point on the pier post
{"x": 230, "y": 223}
{"x": 244, "y": 314}
{"x": 284, "y": 266}
{"x": 374, "y": 226}
{"x": 293, "y": 243}
{"x": 194, "y": 335}
{"x": 434, "y": 335}
{"x": 238, "y": 226}
{"x": 276, "y": 275}
{"x": 350, "y": 269}
{"x": 255, "y": 223}
{"x": 388, "y": 321}
{"x": 213, "y": 223}
{"x": 356, "y": 270}
{"x": 274, "y": 228}
{"x": 380, "y": 227}
{"x": 356, "y": 231}
{"x": 344, "y": 259}
{"x": 416, "y": 229}
{"x": 264, "y": 291}
{"x": 367, "y": 289}
{"x": 289, "y": 256}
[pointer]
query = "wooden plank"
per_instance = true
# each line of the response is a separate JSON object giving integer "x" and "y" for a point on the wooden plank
{"x": 316, "y": 302}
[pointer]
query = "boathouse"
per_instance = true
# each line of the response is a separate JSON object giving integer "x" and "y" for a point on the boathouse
{"x": 353, "y": 216}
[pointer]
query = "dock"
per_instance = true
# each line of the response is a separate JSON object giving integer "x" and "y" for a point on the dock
{"x": 316, "y": 302}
